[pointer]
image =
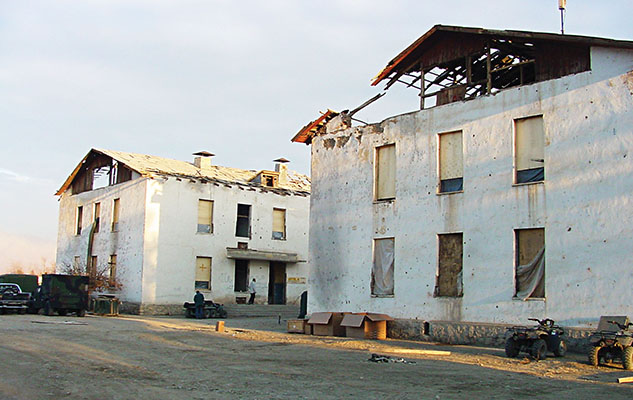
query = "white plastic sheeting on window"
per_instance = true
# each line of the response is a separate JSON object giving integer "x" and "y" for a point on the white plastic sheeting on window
{"x": 451, "y": 155}
{"x": 386, "y": 172}
{"x": 382, "y": 271}
{"x": 530, "y": 143}
{"x": 531, "y": 277}
{"x": 205, "y": 216}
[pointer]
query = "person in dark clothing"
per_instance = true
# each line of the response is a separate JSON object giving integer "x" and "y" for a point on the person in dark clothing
{"x": 198, "y": 300}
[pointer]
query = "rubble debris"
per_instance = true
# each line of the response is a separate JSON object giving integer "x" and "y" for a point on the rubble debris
{"x": 377, "y": 358}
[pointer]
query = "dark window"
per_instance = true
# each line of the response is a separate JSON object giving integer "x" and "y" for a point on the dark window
{"x": 243, "y": 225}
{"x": 80, "y": 212}
{"x": 241, "y": 275}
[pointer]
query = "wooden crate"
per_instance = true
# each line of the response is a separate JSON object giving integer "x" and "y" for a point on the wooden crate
{"x": 296, "y": 325}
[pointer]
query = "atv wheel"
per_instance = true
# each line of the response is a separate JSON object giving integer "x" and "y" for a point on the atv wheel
{"x": 539, "y": 349}
{"x": 561, "y": 349}
{"x": 627, "y": 358}
{"x": 594, "y": 355}
{"x": 512, "y": 348}
{"x": 223, "y": 314}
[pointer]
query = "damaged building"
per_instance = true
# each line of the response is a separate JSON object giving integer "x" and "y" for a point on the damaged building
{"x": 161, "y": 229}
{"x": 507, "y": 195}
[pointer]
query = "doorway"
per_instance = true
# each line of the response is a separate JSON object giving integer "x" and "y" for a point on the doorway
{"x": 277, "y": 283}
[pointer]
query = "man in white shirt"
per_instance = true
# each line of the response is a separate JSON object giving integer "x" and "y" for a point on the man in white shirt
{"x": 252, "y": 290}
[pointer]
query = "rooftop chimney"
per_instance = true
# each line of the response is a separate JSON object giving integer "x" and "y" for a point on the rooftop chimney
{"x": 282, "y": 168}
{"x": 202, "y": 159}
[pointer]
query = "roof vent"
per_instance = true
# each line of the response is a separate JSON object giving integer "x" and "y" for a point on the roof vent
{"x": 202, "y": 159}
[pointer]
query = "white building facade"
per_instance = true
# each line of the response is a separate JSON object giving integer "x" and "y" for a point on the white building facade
{"x": 162, "y": 229}
{"x": 516, "y": 203}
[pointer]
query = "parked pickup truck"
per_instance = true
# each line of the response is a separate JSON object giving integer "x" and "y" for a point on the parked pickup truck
{"x": 13, "y": 299}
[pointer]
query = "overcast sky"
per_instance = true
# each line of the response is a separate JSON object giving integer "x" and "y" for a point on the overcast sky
{"x": 237, "y": 78}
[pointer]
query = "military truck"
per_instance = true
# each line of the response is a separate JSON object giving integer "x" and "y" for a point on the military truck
{"x": 28, "y": 283}
{"x": 62, "y": 294}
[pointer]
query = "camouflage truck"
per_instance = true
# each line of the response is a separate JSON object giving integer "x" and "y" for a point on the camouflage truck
{"x": 62, "y": 294}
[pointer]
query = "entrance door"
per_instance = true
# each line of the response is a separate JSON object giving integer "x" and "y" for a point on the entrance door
{"x": 277, "y": 283}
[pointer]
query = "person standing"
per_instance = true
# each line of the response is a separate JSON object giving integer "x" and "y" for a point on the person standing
{"x": 252, "y": 289}
{"x": 198, "y": 300}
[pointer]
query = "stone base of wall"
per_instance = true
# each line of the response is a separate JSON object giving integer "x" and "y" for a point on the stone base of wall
{"x": 151, "y": 309}
{"x": 472, "y": 333}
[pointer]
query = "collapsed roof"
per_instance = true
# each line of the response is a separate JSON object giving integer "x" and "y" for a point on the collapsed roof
{"x": 119, "y": 167}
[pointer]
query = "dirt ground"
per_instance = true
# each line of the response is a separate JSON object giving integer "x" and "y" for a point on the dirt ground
{"x": 155, "y": 358}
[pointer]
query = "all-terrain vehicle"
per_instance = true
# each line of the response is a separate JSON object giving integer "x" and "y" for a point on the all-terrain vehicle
{"x": 612, "y": 341}
{"x": 536, "y": 340}
{"x": 211, "y": 310}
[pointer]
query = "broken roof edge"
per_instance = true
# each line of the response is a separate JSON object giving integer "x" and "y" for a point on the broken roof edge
{"x": 545, "y": 36}
{"x": 306, "y": 133}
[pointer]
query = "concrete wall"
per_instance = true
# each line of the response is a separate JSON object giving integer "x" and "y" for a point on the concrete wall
{"x": 126, "y": 242}
{"x": 172, "y": 243}
{"x": 584, "y": 204}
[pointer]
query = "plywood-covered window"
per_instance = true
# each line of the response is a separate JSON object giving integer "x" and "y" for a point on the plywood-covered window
{"x": 279, "y": 223}
{"x": 385, "y": 172}
{"x": 382, "y": 270}
{"x": 116, "y": 204}
{"x": 243, "y": 223}
{"x": 205, "y": 216}
{"x": 451, "y": 157}
{"x": 79, "y": 220}
{"x": 203, "y": 273}
{"x": 92, "y": 269}
{"x": 530, "y": 263}
{"x": 529, "y": 149}
{"x": 96, "y": 216}
{"x": 450, "y": 261}
{"x": 112, "y": 272}
{"x": 76, "y": 263}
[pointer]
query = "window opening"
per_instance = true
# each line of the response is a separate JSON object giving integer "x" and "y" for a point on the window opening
{"x": 385, "y": 172}
{"x": 203, "y": 273}
{"x": 382, "y": 271}
{"x": 450, "y": 264}
{"x": 530, "y": 263}
{"x": 243, "y": 225}
{"x": 205, "y": 216}
{"x": 241, "y": 275}
{"x": 97, "y": 216}
{"x": 112, "y": 272}
{"x": 80, "y": 212}
{"x": 279, "y": 224}
{"x": 115, "y": 214}
{"x": 451, "y": 162}
{"x": 529, "y": 149}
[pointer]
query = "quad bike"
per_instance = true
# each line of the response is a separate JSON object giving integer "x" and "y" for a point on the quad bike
{"x": 211, "y": 310}
{"x": 536, "y": 340}
{"x": 612, "y": 341}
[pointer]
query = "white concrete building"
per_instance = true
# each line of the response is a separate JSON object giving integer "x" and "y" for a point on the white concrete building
{"x": 164, "y": 228}
{"x": 508, "y": 195}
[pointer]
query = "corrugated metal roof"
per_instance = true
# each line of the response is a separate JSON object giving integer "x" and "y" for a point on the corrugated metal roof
{"x": 149, "y": 166}
{"x": 406, "y": 59}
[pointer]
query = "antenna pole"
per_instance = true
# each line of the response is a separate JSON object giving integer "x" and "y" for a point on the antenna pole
{"x": 562, "y": 4}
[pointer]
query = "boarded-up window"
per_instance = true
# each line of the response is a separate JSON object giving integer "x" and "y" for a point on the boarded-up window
{"x": 112, "y": 275}
{"x": 243, "y": 224}
{"x": 530, "y": 263}
{"x": 382, "y": 271}
{"x": 529, "y": 149}
{"x": 241, "y": 275}
{"x": 451, "y": 162}
{"x": 449, "y": 271}
{"x": 79, "y": 220}
{"x": 385, "y": 174}
{"x": 115, "y": 215}
{"x": 279, "y": 223}
{"x": 77, "y": 263}
{"x": 203, "y": 273}
{"x": 97, "y": 216}
{"x": 205, "y": 216}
